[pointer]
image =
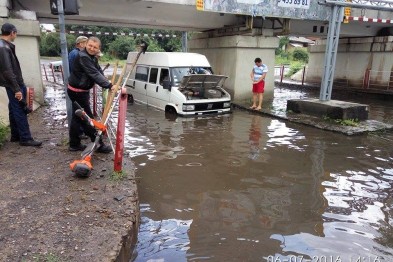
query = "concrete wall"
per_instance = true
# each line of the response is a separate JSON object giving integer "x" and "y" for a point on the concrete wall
{"x": 354, "y": 57}
{"x": 27, "y": 50}
{"x": 234, "y": 56}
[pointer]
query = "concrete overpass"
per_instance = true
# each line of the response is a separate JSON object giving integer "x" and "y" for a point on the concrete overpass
{"x": 182, "y": 15}
{"x": 231, "y": 41}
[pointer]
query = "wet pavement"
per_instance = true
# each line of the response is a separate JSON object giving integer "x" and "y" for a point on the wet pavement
{"x": 250, "y": 187}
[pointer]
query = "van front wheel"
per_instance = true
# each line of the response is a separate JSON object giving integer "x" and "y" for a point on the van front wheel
{"x": 170, "y": 110}
{"x": 130, "y": 99}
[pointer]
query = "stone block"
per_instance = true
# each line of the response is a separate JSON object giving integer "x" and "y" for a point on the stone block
{"x": 333, "y": 109}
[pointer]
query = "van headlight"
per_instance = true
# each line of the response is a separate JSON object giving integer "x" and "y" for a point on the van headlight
{"x": 188, "y": 107}
{"x": 227, "y": 104}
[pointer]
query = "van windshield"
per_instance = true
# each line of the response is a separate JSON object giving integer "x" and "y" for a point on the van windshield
{"x": 179, "y": 72}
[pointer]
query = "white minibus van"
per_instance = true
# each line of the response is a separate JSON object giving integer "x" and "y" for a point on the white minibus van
{"x": 181, "y": 83}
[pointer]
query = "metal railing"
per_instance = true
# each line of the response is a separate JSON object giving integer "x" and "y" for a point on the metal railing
{"x": 52, "y": 73}
{"x": 368, "y": 79}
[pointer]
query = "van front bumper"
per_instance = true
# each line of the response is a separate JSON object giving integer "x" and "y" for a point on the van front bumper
{"x": 191, "y": 109}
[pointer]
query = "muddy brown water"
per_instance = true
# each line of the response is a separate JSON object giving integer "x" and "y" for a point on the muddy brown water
{"x": 245, "y": 187}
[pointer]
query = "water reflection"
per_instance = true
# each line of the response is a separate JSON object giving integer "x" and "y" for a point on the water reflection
{"x": 243, "y": 187}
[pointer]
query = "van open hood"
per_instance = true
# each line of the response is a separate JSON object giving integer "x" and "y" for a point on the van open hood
{"x": 202, "y": 81}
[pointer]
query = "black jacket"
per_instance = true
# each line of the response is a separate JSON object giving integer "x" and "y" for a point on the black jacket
{"x": 86, "y": 72}
{"x": 10, "y": 72}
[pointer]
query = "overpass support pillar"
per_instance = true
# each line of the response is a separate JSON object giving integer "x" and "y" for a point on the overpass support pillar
{"x": 4, "y": 8}
{"x": 234, "y": 56}
{"x": 28, "y": 52}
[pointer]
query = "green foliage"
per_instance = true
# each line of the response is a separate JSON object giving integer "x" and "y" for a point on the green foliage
{"x": 50, "y": 257}
{"x": 4, "y": 131}
{"x": 300, "y": 54}
{"x": 120, "y": 47}
{"x": 343, "y": 122}
{"x": 295, "y": 66}
{"x": 282, "y": 60}
{"x": 117, "y": 176}
{"x": 50, "y": 44}
{"x": 112, "y": 45}
{"x": 348, "y": 122}
{"x": 281, "y": 45}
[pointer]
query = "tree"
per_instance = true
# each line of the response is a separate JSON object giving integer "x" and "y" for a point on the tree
{"x": 284, "y": 40}
{"x": 50, "y": 44}
{"x": 117, "y": 46}
{"x": 300, "y": 54}
{"x": 120, "y": 47}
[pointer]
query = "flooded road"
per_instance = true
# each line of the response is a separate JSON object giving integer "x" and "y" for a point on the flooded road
{"x": 244, "y": 187}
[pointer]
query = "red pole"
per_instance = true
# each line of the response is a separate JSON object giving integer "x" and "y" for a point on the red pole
{"x": 30, "y": 96}
{"x": 282, "y": 73}
{"x": 366, "y": 78}
{"x": 121, "y": 125}
{"x": 304, "y": 71}
{"x": 94, "y": 100}
{"x": 62, "y": 74}
{"x": 53, "y": 73}
{"x": 46, "y": 76}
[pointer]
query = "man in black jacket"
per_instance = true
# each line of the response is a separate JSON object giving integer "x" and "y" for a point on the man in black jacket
{"x": 85, "y": 74}
{"x": 11, "y": 78}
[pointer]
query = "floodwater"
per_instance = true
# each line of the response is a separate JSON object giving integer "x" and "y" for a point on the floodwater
{"x": 245, "y": 187}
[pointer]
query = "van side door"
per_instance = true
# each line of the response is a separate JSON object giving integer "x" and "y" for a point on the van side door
{"x": 158, "y": 96}
{"x": 151, "y": 87}
{"x": 164, "y": 94}
{"x": 138, "y": 85}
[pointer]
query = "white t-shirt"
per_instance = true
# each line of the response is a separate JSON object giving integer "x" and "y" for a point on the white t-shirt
{"x": 259, "y": 71}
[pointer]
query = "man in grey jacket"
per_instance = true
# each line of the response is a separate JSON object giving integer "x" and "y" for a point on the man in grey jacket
{"x": 11, "y": 78}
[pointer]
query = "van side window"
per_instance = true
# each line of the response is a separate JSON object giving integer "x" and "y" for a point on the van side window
{"x": 153, "y": 75}
{"x": 141, "y": 73}
{"x": 164, "y": 75}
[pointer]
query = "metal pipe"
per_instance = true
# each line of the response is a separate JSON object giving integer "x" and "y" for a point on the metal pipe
{"x": 95, "y": 100}
{"x": 46, "y": 76}
{"x": 64, "y": 56}
{"x": 53, "y": 72}
{"x": 281, "y": 73}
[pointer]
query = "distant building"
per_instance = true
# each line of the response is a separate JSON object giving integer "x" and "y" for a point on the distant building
{"x": 295, "y": 42}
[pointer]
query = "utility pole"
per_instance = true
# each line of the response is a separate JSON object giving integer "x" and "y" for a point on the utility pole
{"x": 331, "y": 52}
{"x": 333, "y": 38}
{"x": 184, "y": 44}
{"x": 64, "y": 58}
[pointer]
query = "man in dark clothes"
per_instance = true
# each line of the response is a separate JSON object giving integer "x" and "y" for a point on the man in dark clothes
{"x": 11, "y": 78}
{"x": 86, "y": 72}
{"x": 80, "y": 44}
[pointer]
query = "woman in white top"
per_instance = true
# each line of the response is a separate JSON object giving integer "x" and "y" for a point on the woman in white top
{"x": 258, "y": 75}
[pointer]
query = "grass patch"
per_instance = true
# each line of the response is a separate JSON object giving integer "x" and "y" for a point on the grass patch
{"x": 343, "y": 122}
{"x": 118, "y": 176}
{"x": 4, "y": 131}
{"x": 47, "y": 258}
{"x": 294, "y": 68}
{"x": 348, "y": 122}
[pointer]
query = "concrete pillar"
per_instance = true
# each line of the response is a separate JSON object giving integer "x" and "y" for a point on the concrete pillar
{"x": 234, "y": 56}
{"x": 4, "y": 8}
{"x": 28, "y": 52}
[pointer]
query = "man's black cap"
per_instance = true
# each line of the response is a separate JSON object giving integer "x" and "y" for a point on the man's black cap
{"x": 8, "y": 28}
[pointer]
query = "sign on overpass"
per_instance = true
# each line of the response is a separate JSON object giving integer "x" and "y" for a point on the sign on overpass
{"x": 294, "y": 9}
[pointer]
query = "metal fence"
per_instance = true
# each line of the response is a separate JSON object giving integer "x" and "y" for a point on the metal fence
{"x": 368, "y": 79}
